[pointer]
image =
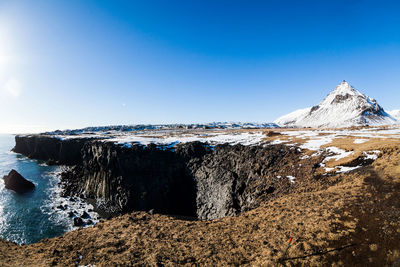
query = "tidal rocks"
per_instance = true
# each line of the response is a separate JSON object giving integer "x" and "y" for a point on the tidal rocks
{"x": 16, "y": 182}
{"x": 78, "y": 221}
{"x": 85, "y": 215}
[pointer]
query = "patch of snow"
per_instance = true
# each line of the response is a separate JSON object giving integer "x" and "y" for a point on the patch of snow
{"x": 291, "y": 179}
{"x": 326, "y": 168}
{"x": 343, "y": 169}
{"x": 360, "y": 141}
{"x": 315, "y": 144}
{"x": 373, "y": 154}
{"x": 338, "y": 153}
{"x": 277, "y": 142}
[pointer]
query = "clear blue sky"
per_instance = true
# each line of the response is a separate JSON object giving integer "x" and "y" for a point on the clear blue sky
{"x": 68, "y": 64}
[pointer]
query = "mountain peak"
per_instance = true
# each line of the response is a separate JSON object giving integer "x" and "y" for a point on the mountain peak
{"x": 345, "y": 106}
{"x": 344, "y": 91}
{"x": 345, "y": 88}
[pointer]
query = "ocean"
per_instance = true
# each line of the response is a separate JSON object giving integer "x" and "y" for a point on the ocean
{"x": 32, "y": 216}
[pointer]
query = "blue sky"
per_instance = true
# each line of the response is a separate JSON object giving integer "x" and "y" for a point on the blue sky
{"x": 70, "y": 64}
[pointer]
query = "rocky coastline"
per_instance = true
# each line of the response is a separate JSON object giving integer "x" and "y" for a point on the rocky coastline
{"x": 192, "y": 179}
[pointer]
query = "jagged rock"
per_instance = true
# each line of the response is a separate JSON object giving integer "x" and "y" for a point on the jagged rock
{"x": 16, "y": 182}
{"x": 85, "y": 215}
{"x": 78, "y": 222}
{"x": 61, "y": 207}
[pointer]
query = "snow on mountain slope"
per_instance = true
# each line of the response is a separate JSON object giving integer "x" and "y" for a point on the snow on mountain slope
{"x": 292, "y": 117}
{"x": 395, "y": 114}
{"x": 343, "y": 107}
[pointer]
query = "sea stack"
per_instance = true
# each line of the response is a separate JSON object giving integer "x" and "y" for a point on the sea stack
{"x": 16, "y": 182}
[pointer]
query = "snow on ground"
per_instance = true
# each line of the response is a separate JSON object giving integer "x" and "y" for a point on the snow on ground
{"x": 291, "y": 179}
{"x": 373, "y": 154}
{"x": 343, "y": 169}
{"x": 244, "y": 138}
{"x": 360, "y": 141}
{"x": 337, "y": 153}
{"x": 278, "y": 141}
{"x": 316, "y": 140}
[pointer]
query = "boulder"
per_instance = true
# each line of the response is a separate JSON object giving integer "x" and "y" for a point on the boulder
{"x": 85, "y": 215}
{"x": 78, "y": 221}
{"x": 16, "y": 182}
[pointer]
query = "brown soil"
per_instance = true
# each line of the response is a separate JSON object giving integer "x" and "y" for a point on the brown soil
{"x": 342, "y": 220}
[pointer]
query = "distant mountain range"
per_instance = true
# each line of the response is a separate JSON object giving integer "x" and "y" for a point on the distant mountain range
{"x": 343, "y": 107}
{"x": 142, "y": 127}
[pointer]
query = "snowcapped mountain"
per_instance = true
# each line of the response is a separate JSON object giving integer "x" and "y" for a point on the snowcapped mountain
{"x": 343, "y": 107}
{"x": 395, "y": 114}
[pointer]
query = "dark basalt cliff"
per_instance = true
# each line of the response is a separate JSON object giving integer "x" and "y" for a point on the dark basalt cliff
{"x": 50, "y": 149}
{"x": 191, "y": 180}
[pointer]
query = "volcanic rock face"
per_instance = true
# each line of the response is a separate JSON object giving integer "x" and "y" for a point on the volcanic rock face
{"x": 191, "y": 180}
{"x": 53, "y": 150}
{"x": 14, "y": 181}
{"x": 344, "y": 107}
{"x": 194, "y": 180}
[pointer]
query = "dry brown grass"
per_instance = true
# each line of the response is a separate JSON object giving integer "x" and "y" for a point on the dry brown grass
{"x": 347, "y": 144}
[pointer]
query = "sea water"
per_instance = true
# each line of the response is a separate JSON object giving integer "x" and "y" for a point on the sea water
{"x": 32, "y": 216}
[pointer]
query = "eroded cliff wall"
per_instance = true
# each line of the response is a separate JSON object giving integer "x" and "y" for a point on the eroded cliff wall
{"x": 50, "y": 149}
{"x": 193, "y": 179}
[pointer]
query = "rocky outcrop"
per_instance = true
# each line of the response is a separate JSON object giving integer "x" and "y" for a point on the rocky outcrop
{"x": 192, "y": 179}
{"x": 238, "y": 178}
{"x": 136, "y": 178}
{"x": 16, "y": 182}
{"x": 50, "y": 149}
